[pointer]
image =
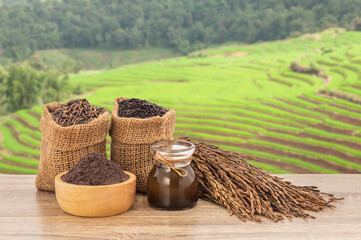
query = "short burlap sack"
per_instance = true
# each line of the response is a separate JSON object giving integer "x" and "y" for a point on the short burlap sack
{"x": 62, "y": 147}
{"x": 132, "y": 138}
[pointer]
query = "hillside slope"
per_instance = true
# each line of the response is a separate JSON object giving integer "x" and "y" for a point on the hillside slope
{"x": 241, "y": 97}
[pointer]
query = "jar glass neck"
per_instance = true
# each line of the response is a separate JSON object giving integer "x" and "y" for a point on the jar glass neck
{"x": 177, "y": 165}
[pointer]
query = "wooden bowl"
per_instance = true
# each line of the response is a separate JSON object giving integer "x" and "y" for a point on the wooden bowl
{"x": 95, "y": 201}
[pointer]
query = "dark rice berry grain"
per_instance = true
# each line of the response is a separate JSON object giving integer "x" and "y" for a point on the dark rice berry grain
{"x": 137, "y": 108}
{"x": 74, "y": 112}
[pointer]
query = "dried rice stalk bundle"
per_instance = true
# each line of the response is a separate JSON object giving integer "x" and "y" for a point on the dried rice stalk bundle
{"x": 246, "y": 191}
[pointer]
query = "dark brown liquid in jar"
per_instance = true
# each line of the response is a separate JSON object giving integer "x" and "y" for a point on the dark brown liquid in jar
{"x": 168, "y": 190}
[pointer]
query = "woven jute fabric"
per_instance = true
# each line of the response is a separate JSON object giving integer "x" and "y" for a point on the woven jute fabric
{"x": 132, "y": 138}
{"x": 62, "y": 147}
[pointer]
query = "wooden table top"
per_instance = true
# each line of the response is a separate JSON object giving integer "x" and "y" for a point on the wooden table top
{"x": 26, "y": 213}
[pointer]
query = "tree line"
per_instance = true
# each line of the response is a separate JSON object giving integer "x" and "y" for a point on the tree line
{"x": 183, "y": 25}
{"x": 29, "y": 83}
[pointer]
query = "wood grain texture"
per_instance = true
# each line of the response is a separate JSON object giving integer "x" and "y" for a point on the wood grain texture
{"x": 26, "y": 213}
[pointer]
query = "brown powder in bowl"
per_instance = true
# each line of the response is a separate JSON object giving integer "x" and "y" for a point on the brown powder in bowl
{"x": 93, "y": 170}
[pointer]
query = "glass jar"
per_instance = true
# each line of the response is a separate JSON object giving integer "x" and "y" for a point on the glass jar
{"x": 172, "y": 183}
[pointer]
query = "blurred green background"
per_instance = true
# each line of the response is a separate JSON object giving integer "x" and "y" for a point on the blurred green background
{"x": 278, "y": 80}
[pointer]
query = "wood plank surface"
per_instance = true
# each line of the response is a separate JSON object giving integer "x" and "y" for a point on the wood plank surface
{"x": 26, "y": 213}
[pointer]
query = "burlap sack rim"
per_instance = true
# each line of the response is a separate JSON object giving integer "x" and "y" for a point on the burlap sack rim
{"x": 52, "y": 124}
{"x": 116, "y": 109}
{"x": 162, "y": 119}
{"x": 78, "y": 126}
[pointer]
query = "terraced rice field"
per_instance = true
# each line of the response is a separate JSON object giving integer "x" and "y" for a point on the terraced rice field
{"x": 242, "y": 98}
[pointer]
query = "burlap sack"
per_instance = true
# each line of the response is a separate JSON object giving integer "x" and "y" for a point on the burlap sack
{"x": 132, "y": 138}
{"x": 62, "y": 147}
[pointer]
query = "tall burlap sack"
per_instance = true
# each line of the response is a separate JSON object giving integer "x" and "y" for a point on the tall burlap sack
{"x": 62, "y": 147}
{"x": 132, "y": 138}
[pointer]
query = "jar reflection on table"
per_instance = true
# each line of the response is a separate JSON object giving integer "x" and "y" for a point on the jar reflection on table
{"x": 166, "y": 188}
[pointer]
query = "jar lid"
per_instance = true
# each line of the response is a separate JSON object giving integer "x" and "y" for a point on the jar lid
{"x": 174, "y": 149}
